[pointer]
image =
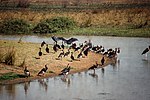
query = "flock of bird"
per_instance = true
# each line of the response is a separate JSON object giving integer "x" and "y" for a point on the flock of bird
{"x": 83, "y": 50}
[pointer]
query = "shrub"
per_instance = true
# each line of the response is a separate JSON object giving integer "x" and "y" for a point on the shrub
{"x": 54, "y": 25}
{"x": 14, "y": 26}
{"x": 44, "y": 27}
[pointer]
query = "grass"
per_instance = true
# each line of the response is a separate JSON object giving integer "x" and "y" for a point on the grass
{"x": 9, "y": 76}
{"x": 109, "y": 31}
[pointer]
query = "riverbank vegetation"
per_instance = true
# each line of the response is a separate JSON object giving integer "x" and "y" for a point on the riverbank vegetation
{"x": 93, "y": 19}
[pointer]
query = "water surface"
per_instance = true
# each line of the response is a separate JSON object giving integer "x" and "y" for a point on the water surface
{"x": 128, "y": 79}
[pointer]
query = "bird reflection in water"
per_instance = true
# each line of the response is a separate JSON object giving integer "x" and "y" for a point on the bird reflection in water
{"x": 66, "y": 80}
{"x": 43, "y": 83}
{"x": 26, "y": 87}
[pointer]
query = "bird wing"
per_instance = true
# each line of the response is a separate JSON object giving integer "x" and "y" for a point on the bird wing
{"x": 69, "y": 41}
{"x": 54, "y": 38}
{"x": 145, "y": 51}
{"x": 61, "y": 38}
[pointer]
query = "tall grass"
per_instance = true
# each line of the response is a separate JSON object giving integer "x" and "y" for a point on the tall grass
{"x": 10, "y": 56}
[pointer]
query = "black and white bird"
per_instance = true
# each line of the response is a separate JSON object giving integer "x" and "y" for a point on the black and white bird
{"x": 146, "y": 51}
{"x": 66, "y": 70}
{"x": 102, "y": 61}
{"x": 43, "y": 71}
{"x": 26, "y": 72}
{"x": 42, "y": 44}
{"x": 47, "y": 49}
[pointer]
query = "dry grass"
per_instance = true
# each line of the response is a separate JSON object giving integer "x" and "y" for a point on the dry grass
{"x": 115, "y": 17}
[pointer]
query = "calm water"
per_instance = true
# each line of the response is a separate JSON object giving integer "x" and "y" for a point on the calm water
{"x": 128, "y": 79}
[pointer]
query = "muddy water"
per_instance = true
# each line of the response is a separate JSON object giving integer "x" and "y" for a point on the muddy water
{"x": 128, "y": 79}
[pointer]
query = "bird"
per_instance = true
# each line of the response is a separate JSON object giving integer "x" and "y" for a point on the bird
{"x": 79, "y": 55}
{"x": 62, "y": 46}
{"x": 55, "y": 39}
{"x": 94, "y": 66}
{"x": 86, "y": 51}
{"x": 72, "y": 57}
{"x": 146, "y": 51}
{"x": 47, "y": 49}
{"x": 26, "y": 72}
{"x": 40, "y": 52}
{"x": 102, "y": 61}
{"x": 61, "y": 54}
{"x": 66, "y": 70}
{"x": 55, "y": 48}
{"x": 42, "y": 44}
{"x": 76, "y": 49}
{"x": 58, "y": 46}
{"x": 67, "y": 53}
{"x": 71, "y": 40}
{"x": 43, "y": 71}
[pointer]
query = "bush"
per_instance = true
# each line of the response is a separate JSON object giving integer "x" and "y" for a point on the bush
{"x": 44, "y": 27}
{"x": 54, "y": 25}
{"x": 14, "y": 26}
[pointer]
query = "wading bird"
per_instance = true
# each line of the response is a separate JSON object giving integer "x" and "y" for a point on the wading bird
{"x": 94, "y": 66}
{"x": 146, "y": 51}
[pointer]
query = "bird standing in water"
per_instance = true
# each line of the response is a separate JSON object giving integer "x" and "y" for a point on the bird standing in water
{"x": 102, "y": 61}
{"x": 146, "y": 51}
{"x": 94, "y": 66}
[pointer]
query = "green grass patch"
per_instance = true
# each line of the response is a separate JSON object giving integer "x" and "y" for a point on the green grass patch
{"x": 10, "y": 76}
{"x": 110, "y": 31}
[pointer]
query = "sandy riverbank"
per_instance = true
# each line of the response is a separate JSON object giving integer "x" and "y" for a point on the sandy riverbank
{"x": 29, "y": 52}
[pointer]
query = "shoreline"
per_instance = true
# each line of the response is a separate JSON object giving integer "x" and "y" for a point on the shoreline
{"x": 22, "y": 80}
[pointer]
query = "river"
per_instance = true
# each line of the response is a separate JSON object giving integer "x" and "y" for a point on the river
{"x": 128, "y": 79}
